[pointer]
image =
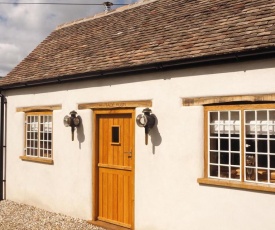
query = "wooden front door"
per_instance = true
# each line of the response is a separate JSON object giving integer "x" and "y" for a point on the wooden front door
{"x": 115, "y": 169}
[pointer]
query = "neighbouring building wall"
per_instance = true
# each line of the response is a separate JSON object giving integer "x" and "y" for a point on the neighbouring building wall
{"x": 167, "y": 195}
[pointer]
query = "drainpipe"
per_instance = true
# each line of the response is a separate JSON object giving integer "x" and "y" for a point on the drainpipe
{"x": 2, "y": 146}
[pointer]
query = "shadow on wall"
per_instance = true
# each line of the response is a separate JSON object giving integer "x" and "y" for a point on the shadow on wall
{"x": 80, "y": 134}
{"x": 155, "y": 135}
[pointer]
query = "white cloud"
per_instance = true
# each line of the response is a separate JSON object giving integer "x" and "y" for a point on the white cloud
{"x": 23, "y": 27}
{"x": 9, "y": 57}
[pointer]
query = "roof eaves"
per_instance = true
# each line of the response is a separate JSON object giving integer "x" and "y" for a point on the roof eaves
{"x": 181, "y": 63}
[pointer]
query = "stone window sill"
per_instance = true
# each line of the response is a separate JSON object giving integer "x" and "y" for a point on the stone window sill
{"x": 37, "y": 160}
{"x": 237, "y": 184}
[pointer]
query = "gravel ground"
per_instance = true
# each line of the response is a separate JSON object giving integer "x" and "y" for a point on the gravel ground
{"x": 15, "y": 216}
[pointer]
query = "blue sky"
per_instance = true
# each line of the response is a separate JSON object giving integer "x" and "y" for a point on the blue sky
{"x": 23, "y": 27}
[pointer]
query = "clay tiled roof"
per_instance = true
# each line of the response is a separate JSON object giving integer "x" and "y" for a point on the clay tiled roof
{"x": 151, "y": 32}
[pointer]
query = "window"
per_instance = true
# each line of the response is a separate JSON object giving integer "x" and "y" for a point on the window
{"x": 240, "y": 145}
{"x": 38, "y": 137}
{"x": 115, "y": 134}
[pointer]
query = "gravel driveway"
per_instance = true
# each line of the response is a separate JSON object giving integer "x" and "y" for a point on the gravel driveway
{"x": 15, "y": 216}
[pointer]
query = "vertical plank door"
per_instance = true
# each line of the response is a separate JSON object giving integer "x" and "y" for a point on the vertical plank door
{"x": 115, "y": 168}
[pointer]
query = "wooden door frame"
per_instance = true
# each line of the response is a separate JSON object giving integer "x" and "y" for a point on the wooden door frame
{"x": 95, "y": 160}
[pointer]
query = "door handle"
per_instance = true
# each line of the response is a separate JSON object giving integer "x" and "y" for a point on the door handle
{"x": 130, "y": 154}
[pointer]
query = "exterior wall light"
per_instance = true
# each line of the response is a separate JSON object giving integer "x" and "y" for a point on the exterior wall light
{"x": 73, "y": 121}
{"x": 146, "y": 120}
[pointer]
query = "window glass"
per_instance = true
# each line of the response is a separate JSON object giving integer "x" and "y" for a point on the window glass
{"x": 224, "y": 144}
{"x": 228, "y": 129}
{"x": 115, "y": 134}
{"x": 39, "y": 135}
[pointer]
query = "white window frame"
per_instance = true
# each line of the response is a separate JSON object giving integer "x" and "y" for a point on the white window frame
{"x": 38, "y": 137}
{"x": 263, "y": 182}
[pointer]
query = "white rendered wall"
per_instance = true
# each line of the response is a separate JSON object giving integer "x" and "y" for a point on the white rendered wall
{"x": 167, "y": 195}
